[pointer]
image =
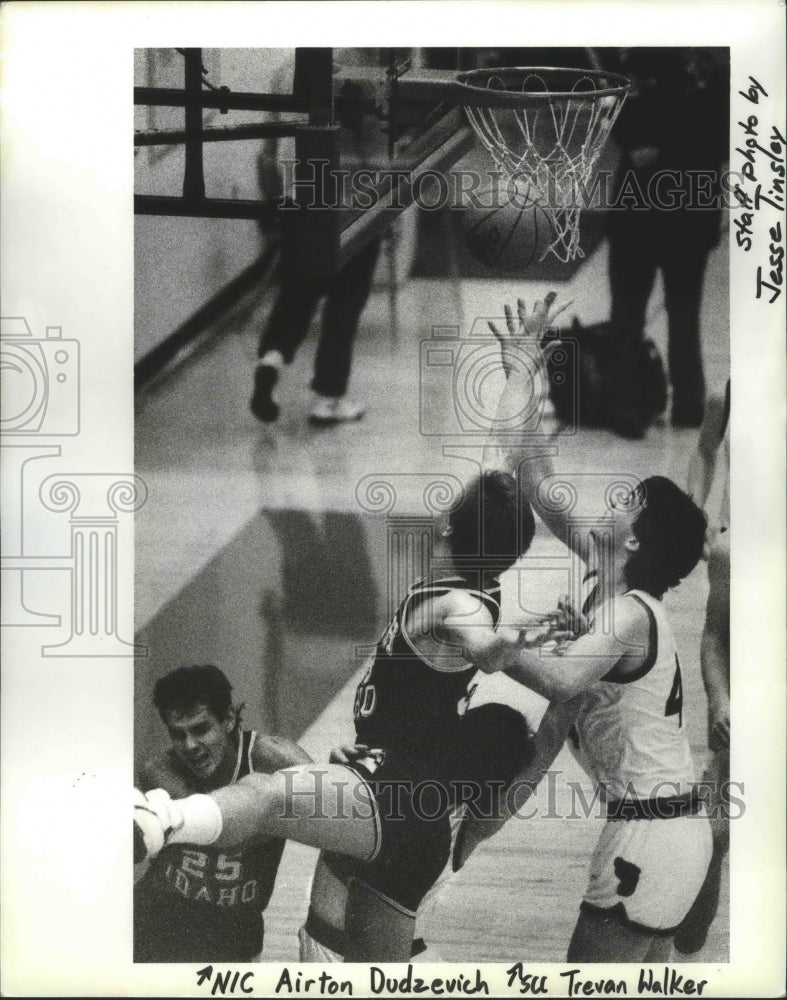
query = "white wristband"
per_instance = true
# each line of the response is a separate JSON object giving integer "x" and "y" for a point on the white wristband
{"x": 201, "y": 821}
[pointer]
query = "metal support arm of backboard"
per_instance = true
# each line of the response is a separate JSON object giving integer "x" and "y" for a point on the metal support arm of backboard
{"x": 326, "y": 238}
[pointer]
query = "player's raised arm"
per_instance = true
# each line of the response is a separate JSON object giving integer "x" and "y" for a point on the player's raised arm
{"x": 525, "y": 345}
{"x": 523, "y": 349}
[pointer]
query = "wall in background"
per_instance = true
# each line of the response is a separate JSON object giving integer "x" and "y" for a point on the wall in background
{"x": 180, "y": 264}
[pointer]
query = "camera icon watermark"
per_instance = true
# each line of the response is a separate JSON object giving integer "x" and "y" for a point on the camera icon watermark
{"x": 40, "y": 381}
{"x": 44, "y": 572}
{"x": 461, "y": 379}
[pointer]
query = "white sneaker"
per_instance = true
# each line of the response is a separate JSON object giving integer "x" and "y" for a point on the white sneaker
{"x": 334, "y": 410}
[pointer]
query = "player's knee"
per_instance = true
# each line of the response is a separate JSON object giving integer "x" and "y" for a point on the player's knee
{"x": 601, "y": 936}
{"x": 328, "y": 898}
{"x": 378, "y": 927}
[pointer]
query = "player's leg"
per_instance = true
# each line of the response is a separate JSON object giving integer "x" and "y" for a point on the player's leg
{"x": 351, "y": 918}
{"x": 496, "y": 766}
{"x": 632, "y": 271}
{"x": 599, "y": 937}
{"x": 506, "y": 750}
{"x": 284, "y": 332}
{"x": 321, "y": 938}
{"x": 349, "y": 921}
{"x": 388, "y": 926}
{"x": 632, "y": 274}
{"x": 384, "y": 895}
{"x": 329, "y": 807}
{"x": 347, "y": 296}
{"x": 377, "y": 928}
{"x": 644, "y": 876}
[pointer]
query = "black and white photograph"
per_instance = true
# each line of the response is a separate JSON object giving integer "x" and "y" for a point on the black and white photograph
{"x": 390, "y": 571}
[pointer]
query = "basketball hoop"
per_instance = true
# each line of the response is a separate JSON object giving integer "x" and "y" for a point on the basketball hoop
{"x": 545, "y": 128}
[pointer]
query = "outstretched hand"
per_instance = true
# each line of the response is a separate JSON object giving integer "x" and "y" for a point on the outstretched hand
{"x": 561, "y": 626}
{"x": 571, "y": 617}
{"x": 525, "y": 347}
{"x": 526, "y": 332}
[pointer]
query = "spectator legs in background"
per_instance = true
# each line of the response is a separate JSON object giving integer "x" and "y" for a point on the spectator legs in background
{"x": 632, "y": 274}
{"x": 346, "y": 295}
{"x": 684, "y": 270}
{"x": 636, "y": 252}
{"x": 284, "y": 333}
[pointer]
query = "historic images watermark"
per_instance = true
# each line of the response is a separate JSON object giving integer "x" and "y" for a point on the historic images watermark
{"x": 551, "y": 796}
{"x": 315, "y": 185}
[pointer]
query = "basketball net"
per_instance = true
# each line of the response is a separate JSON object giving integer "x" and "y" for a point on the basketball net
{"x": 544, "y": 130}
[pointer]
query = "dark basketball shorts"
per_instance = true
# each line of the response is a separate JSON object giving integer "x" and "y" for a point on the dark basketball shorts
{"x": 416, "y": 795}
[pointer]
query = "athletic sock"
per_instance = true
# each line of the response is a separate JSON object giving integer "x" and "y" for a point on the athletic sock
{"x": 199, "y": 820}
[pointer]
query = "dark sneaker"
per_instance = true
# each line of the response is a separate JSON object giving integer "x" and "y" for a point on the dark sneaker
{"x": 262, "y": 404}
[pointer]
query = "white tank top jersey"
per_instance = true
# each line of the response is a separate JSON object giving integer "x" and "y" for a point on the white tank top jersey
{"x": 629, "y": 734}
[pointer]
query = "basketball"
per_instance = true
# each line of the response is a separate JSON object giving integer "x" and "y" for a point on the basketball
{"x": 503, "y": 227}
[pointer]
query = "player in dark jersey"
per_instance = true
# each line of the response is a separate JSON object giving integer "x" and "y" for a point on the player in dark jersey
{"x": 204, "y": 904}
{"x": 428, "y": 754}
{"x": 390, "y": 810}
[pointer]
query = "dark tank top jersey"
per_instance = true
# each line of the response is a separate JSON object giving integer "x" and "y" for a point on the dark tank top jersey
{"x": 406, "y": 704}
{"x": 204, "y": 904}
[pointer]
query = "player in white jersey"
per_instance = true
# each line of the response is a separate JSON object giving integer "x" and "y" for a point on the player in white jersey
{"x": 624, "y": 733}
{"x": 620, "y": 686}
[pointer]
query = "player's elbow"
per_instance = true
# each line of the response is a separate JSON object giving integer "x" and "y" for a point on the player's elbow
{"x": 562, "y": 689}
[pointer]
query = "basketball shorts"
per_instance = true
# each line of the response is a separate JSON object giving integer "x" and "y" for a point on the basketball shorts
{"x": 418, "y": 793}
{"x": 412, "y": 853}
{"x": 648, "y": 872}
